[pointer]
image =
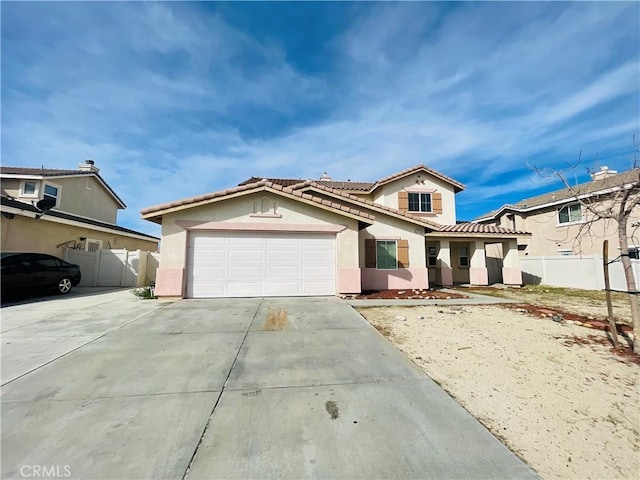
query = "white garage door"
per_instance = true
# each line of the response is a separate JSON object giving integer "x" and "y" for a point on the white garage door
{"x": 260, "y": 264}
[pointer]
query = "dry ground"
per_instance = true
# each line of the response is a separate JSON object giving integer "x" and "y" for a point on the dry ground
{"x": 552, "y": 392}
{"x": 589, "y": 303}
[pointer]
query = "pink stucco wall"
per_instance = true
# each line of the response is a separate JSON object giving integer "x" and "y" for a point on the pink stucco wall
{"x": 349, "y": 280}
{"x": 478, "y": 276}
{"x": 373, "y": 279}
{"x": 444, "y": 276}
{"x": 511, "y": 276}
{"x": 170, "y": 282}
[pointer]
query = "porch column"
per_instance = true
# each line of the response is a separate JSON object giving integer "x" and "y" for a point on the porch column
{"x": 511, "y": 273}
{"x": 478, "y": 274}
{"x": 444, "y": 272}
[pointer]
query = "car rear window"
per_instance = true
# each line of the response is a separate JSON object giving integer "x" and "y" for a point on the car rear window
{"x": 48, "y": 262}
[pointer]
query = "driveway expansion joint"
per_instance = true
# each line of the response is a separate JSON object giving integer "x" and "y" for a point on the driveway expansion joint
{"x": 224, "y": 385}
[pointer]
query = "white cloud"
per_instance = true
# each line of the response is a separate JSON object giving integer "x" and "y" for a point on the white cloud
{"x": 173, "y": 101}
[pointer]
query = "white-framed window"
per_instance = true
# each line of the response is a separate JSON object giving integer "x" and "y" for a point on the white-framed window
{"x": 52, "y": 192}
{"x": 91, "y": 245}
{"x": 463, "y": 256}
{"x": 29, "y": 188}
{"x": 386, "y": 255}
{"x": 420, "y": 202}
{"x": 571, "y": 213}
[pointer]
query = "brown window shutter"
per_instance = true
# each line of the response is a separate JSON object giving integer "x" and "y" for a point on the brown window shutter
{"x": 369, "y": 253}
{"x": 437, "y": 202}
{"x": 403, "y": 253}
{"x": 403, "y": 201}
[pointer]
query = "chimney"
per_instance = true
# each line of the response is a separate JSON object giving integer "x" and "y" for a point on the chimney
{"x": 325, "y": 177}
{"x": 88, "y": 166}
{"x": 604, "y": 172}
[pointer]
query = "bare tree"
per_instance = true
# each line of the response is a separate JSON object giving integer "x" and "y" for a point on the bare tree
{"x": 612, "y": 199}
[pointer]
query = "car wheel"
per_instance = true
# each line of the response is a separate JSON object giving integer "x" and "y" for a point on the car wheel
{"x": 64, "y": 285}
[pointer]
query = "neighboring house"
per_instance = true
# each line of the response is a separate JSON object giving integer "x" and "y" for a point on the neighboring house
{"x": 559, "y": 221}
{"x": 83, "y": 214}
{"x": 277, "y": 237}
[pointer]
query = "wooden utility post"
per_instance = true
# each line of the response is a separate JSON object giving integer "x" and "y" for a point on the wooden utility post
{"x": 607, "y": 289}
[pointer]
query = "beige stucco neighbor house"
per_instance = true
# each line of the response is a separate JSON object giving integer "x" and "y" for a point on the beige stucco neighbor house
{"x": 83, "y": 214}
{"x": 281, "y": 237}
{"x": 559, "y": 221}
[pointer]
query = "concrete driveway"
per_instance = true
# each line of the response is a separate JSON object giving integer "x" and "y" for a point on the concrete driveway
{"x": 116, "y": 387}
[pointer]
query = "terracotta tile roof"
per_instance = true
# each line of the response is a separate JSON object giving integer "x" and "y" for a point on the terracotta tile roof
{"x": 257, "y": 186}
{"x": 285, "y": 182}
{"x": 371, "y": 205}
{"x": 359, "y": 186}
{"x": 355, "y": 186}
{"x": 480, "y": 228}
{"x": 458, "y": 186}
{"x": 568, "y": 194}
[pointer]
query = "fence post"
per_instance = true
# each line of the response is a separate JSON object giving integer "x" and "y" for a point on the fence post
{"x": 125, "y": 266}
{"x": 97, "y": 257}
{"x": 544, "y": 271}
{"x": 141, "y": 271}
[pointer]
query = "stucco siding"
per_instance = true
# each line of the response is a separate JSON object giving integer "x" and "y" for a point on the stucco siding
{"x": 391, "y": 228}
{"x": 31, "y": 235}
{"x": 388, "y": 195}
{"x": 549, "y": 238}
{"x": 249, "y": 209}
{"x": 84, "y": 196}
{"x": 10, "y": 187}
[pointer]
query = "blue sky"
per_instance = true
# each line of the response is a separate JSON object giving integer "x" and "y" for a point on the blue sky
{"x": 177, "y": 99}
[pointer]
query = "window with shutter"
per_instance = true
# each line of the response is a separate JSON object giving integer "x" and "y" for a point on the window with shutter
{"x": 386, "y": 254}
{"x": 403, "y": 253}
{"x": 403, "y": 201}
{"x": 437, "y": 202}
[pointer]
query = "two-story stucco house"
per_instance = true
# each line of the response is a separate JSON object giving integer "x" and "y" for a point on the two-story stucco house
{"x": 83, "y": 214}
{"x": 279, "y": 237}
{"x": 561, "y": 224}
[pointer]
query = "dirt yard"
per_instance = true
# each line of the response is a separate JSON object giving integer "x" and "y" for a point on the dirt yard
{"x": 588, "y": 303}
{"x": 554, "y": 393}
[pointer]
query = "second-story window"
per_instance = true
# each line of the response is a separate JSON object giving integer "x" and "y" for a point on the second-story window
{"x": 570, "y": 214}
{"x": 420, "y": 202}
{"x": 29, "y": 189}
{"x": 51, "y": 192}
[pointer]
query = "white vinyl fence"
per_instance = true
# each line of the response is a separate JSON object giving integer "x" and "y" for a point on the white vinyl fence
{"x": 575, "y": 272}
{"x": 115, "y": 268}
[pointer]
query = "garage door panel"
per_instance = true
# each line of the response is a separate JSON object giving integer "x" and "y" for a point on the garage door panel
{"x": 244, "y": 256}
{"x": 282, "y": 272}
{"x": 210, "y": 257}
{"x": 315, "y": 257}
{"x": 245, "y": 289}
{"x": 209, "y": 272}
{"x": 283, "y": 256}
{"x": 205, "y": 289}
{"x": 224, "y": 264}
{"x": 247, "y": 273}
{"x": 281, "y": 289}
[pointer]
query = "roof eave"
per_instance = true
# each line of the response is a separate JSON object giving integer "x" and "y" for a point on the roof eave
{"x": 156, "y": 216}
{"x": 478, "y": 234}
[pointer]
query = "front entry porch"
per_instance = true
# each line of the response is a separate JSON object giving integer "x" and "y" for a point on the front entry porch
{"x": 463, "y": 260}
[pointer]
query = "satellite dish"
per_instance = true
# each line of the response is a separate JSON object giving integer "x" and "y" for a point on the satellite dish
{"x": 45, "y": 205}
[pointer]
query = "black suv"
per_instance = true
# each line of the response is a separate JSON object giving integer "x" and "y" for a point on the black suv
{"x": 33, "y": 273}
